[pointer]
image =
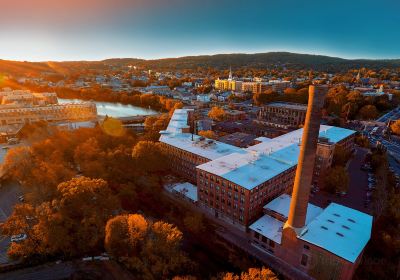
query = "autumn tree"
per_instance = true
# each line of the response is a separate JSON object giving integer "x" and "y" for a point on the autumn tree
{"x": 395, "y": 127}
{"x": 337, "y": 179}
{"x": 38, "y": 175}
{"x": 368, "y": 112}
{"x": 208, "y": 134}
{"x": 153, "y": 250}
{"x": 194, "y": 222}
{"x": 148, "y": 156}
{"x": 71, "y": 224}
{"x": 217, "y": 113}
{"x": 251, "y": 274}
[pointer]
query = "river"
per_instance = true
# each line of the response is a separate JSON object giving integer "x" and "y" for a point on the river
{"x": 116, "y": 110}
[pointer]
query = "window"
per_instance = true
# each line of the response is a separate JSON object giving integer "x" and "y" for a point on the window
{"x": 304, "y": 260}
{"x": 256, "y": 235}
{"x": 264, "y": 239}
{"x": 271, "y": 243}
{"x": 306, "y": 247}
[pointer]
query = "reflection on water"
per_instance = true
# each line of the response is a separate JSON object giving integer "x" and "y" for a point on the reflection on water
{"x": 116, "y": 110}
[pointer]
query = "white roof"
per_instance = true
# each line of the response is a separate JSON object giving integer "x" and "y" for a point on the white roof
{"x": 252, "y": 168}
{"x": 248, "y": 167}
{"x": 281, "y": 205}
{"x": 178, "y": 121}
{"x": 333, "y": 133}
{"x": 340, "y": 230}
{"x": 263, "y": 139}
{"x": 205, "y": 148}
{"x": 187, "y": 189}
{"x": 269, "y": 227}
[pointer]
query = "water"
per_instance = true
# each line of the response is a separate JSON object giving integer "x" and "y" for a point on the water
{"x": 116, "y": 110}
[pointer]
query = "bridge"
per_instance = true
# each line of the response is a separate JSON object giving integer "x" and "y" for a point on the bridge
{"x": 131, "y": 119}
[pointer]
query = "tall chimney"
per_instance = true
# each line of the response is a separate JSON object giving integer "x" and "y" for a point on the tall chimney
{"x": 305, "y": 165}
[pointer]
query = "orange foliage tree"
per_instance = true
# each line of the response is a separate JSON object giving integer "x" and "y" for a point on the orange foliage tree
{"x": 217, "y": 113}
{"x": 152, "y": 250}
{"x": 71, "y": 224}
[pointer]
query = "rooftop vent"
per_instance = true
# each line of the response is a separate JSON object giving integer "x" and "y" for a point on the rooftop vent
{"x": 332, "y": 222}
{"x": 351, "y": 221}
{"x": 324, "y": 227}
{"x": 335, "y": 214}
{"x": 346, "y": 227}
{"x": 340, "y": 234}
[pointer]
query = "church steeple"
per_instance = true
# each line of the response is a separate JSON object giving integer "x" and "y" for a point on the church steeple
{"x": 230, "y": 73}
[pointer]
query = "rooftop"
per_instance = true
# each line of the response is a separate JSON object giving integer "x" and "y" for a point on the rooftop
{"x": 187, "y": 189}
{"x": 248, "y": 167}
{"x": 179, "y": 120}
{"x": 281, "y": 205}
{"x": 340, "y": 230}
{"x": 200, "y": 146}
{"x": 251, "y": 169}
{"x": 288, "y": 105}
{"x": 271, "y": 227}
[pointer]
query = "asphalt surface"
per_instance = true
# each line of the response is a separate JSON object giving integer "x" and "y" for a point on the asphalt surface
{"x": 8, "y": 198}
{"x": 392, "y": 115}
{"x": 356, "y": 193}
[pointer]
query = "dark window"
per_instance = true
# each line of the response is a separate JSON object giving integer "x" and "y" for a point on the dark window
{"x": 306, "y": 247}
{"x": 304, "y": 260}
{"x": 256, "y": 235}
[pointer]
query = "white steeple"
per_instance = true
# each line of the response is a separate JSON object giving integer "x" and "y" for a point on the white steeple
{"x": 230, "y": 74}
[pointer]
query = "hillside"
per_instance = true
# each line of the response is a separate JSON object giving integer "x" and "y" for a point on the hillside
{"x": 219, "y": 61}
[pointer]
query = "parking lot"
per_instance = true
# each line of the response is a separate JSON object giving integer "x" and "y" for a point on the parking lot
{"x": 357, "y": 192}
{"x": 9, "y": 194}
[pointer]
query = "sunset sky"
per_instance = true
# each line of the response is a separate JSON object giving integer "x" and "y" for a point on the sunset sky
{"x": 41, "y": 30}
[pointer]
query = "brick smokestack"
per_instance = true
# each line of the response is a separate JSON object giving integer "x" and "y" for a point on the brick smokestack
{"x": 305, "y": 165}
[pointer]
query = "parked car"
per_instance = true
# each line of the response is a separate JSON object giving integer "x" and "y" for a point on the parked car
{"x": 18, "y": 237}
{"x": 21, "y": 198}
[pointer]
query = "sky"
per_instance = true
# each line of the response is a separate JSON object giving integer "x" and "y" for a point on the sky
{"x": 42, "y": 30}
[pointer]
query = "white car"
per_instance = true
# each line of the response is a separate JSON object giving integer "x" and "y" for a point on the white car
{"x": 18, "y": 237}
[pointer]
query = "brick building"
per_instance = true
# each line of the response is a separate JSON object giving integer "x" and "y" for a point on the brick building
{"x": 324, "y": 243}
{"x": 233, "y": 183}
{"x": 283, "y": 114}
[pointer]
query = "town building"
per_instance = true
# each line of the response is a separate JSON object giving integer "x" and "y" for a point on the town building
{"x": 49, "y": 113}
{"x": 228, "y": 84}
{"x": 26, "y": 97}
{"x": 233, "y": 183}
{"x": 324, "y": 243}
{"x": 261, "y": 87}
{"x": 283, "y": 114}
{"x": 22, "y": 106}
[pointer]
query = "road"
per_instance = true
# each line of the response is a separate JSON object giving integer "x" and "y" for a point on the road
{"x": 392, "y": 115}
{"x": 8, "y": 198}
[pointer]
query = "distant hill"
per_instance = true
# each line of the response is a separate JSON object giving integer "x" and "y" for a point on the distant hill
{"x": 220, "y": 61}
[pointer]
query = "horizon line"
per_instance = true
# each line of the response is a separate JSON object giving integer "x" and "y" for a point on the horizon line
{"x": 199, "y": 55}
